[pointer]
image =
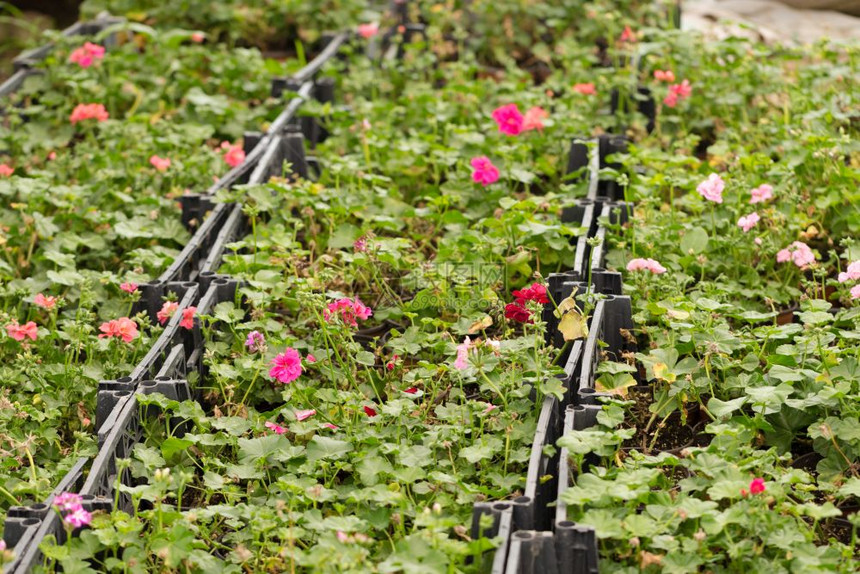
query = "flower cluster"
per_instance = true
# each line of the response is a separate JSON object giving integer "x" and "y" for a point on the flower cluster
{"x": 87, "y": 55}
{"x": 517, "y": 311}
{"x": 678, "y": 92}
{"x": 756, "y": 487}
{"x": 84, "y": 112}
{"x": 72, "y": 505}
{"x": 640, "y": 264}
{"x": 512, "y": 122}
{"x": 368, "y": 30}
{"x": 712, "y": 188}
{"x": 747, "y": 222}
{"x": 798, "y": 252}
{"x": 852, "y": 273}
{"x": 170, "y": 307}
{"x": 667, "y": 76}
{"x": 762, "y": 193}
{"x": 287, "y": 366}
{"x": 21, "y": 332}
{"x": 462, "y": 360}
{"x": 348, "y": 310}
{"x": 123, "y": 328}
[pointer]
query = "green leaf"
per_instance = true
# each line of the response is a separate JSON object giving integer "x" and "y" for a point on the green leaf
{"x": 722, "y": 409}
{"x": 173, "y": 446}
{"x": 694, "y": 241}
{"x": 322, "y": 447}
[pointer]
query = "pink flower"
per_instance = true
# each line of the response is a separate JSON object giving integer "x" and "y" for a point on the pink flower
{"x": 757, "y": 486}
{"x": 275, "y": 428}
{"x": 371, "y": 412}
{"x": 44, "y": 302}
{"x": 798, "y": 252}
{"x": 67, "y": 501}
{"x": 664, "y": 75}
{"x": 348, "y": 310}
{"x": 167, "y": 311}
{"x": 368, "y": 30}
{"x": 747, "y": 222}
{"x": 198, "y": 37}
{"x": 640, "y": 264}
{"x": 852, "y": 273}
{"x": 490, "y": 408}
{"x": 5, "y": 170}
{"x": 52, "y": 156}
{"x": 628, "y": 35}
{"x": 585, "y": 89}
{"x": 517, "y": 311}
{"x": 509, "y": 119}
{"x": 256, "y": 342}
{"x": 757, "y": 240}
{"x": 78, "y": 517}
{"x": 306, "y": 414}
{"x": 536, "y": 292}
{"x": 187, "y": 321}
{"x": 329, "y": 426}
{"x": 286, "y": 367}
{"x": 762, "y": 193}
{"x": 483, "y": 171}
{"x": 392, "y": 363}
{"x": 677, "y": 92}
{"x": 360, "y": 245}
{"x": 21, "y": 332}
{"x": 712, "y": 188}
{"x": 233, "y": 154}
{"x": 128, "y": 287}
{"x": 855, "y": 292}
{"x": 88, "y": 112}
{"x": 310, "y": 358}
{"x": 124, "y": 328}
{"x": 159, "y": 163}
{"x": 533, "y": 119}
{"x": 671, "y": 100}
{"x": 462, "y": 360}
{"x": 87, "y": 55}
{"x": 342, "y": 536}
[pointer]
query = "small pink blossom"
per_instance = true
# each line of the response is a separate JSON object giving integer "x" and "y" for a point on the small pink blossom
{"x": 167, "y": 311}
{"x": 5, "y": 170}
{"x": 342, "y": 536}
{"x": 852, "y": 273}
{"x": 627, "y": 35}
{"x": 21, "y": 332}
{"x": 233, "y": 153}
{"x": 365, "y": 125}
{"x": 123, "y": 328}
{"x": 490, "y": 408}
{"x": 305, "y": 414}
{"x": 483, "y": 171}
{"x": 310, "y": 358}
{"x": 67, "y": 501}
{"x": 667, "y": 76}
{"x": 509, "y": 119}
{"x": 360, "y": 245}
{"x": 187, "y": 321}
{"x": 533, "y": 119}
{"x": 586, "y": 89}
{"x": 330, "y": 426}
{"x": 198, "y": 37}
{"x": 757, "y": 240}
{"x": 677, "y": 92}
{"x": 160, "y": 163}
{"x": 368, "y": 30}
{"x": 45, "y": 302}
{"x": 392, "y": 363}
{"x": 798, "y": 252}
{"x": 762, "y": 193}
{"x": 52, "y": 156}
{"x": 87, "y": 55}
{"x": 641, "y": 264}
{"x": 757, "y": 486}
{"x": 84, "y": 112}
{"x": 286, "y": 367}
{"x": 348, "y": 310}
{"x": 747, "y": 222}
{"x": 78, "y": 517}
{"x": 462, "y": 361}
{"x": 712, "y": 188}
{"x": 855, "y": 292}
{"x": 128, "y": 287}
{"x": 275, "y": 428}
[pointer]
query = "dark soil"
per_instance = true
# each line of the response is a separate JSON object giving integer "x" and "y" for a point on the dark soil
{"x": 678, "y": 431}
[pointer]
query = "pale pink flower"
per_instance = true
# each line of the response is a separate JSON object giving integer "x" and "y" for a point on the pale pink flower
{"x": 128, "y": 287}
{"x": 490, "y": 408}
{"x": 368, "y": 30}
{"x": 45, "y": 302}
{"x": 187, "y": 321}
{"x": 78, "y": 517}
{"x": 5, "y": 170}
{"x": 586, "y": 89}
{"x": 366, "y": 125}
{"x": 664, "y": 75}
{"x": 52, "y": 156}
{"x": 256, "y": 342}
{"x": 483, "y": 171}
{"x": 852, "y": 273}
{"x": 87, "y": 55}
{"x": 286, "y": 367}
{"x": 275, "y": 428}
{"x": 167, "y": 311}
{"x": 67, "y": 501}
{"x": 762, "y": 193}
{"x": 757, "y": 240}
{"x": 329, "y": 426}
{"x": 509, "y": 119}
{"x": 798, "y": 252}
{"x": 88, "y": 112}
{"x": 198, "y": 37}
{"x": 342, "y": 536}
{"x": 462, "y": 361}
{"x": 712, "y": 188}
{"x": 233, "y": 153}
{"x": 855, "y": 292}
{"x": 124, "y": 328}
{"x": 640, "y": 264}
{"x": 305, "y": 414}
{"x": 533, "y": 119}
{"x": 747, "y": 222}
{"x": 160, "y": 163}
{"x": 21, "y": 332}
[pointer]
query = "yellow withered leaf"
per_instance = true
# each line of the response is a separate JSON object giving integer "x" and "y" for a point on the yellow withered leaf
{"x": 573, "y": 324}
{"x": 481, "y": 324}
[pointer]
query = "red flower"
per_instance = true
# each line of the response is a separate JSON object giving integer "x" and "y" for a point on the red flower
{"x": 411, "y": 390}
{"x": 536, "y": 292}
{"x": 188, "y": 317}
{"x": 517, "y": 312}
{"x": 370, "y": 412}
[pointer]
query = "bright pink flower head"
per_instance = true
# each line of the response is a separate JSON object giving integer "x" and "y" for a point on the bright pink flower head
{"x": 78, "y": 517}
{"x": 275, "y": 428}
{"x": 5, "y": 170}
{"x": 757, "y": 486}
{"x": 627, "y": 35}
{"x": 21, "y": 332}
{"x": 187, "y": 321}
{"x": 483, "y": 171}
{"x": 509, "y": 119}
{"x": 533, "y": 119}
{"x": 664, "y": 75}
{"x": 160, "y": 163}
{"x": 368, "y": 30}
{"x": 535, "y": 292}
{"x": 712, "y": 188}
{"x": 123, "y": 328}
{"x": 348, "y": 310}
{"x": 360, "y": 245}
{"x": 761, "y": 194}
{"x": 855, "y": 292}
{"x": 198, "y": 37}
{"x": 798, "y": 252}
{"x": 462, "y": 360}
{"x": 305, "y": 414}
{"x": 286, "y": 367}
{"x": 747, "y": 222}
{"x": 587, "y": 89}
{"x": 852, "y": 273}
{"x": 87, "y": 55}
{"x": 640, "y": 264}
{"x": 682, "y": 90}
{"x": 392, "y": 363}
{"x": 310, "y": 358}
{"x": 330, "y": 426}
{"x": 233, "y": 153}
{"x": 517, "y": 311}
{"x": 167, "y": 311}
{"x": 88, "y": 112}
{"x": 670, "y": 100}
{"x": 128, "y": 287}
{"x": 369, "y": 411}
{"x": 45, "y": 302}
{"x": 67, "y": 501}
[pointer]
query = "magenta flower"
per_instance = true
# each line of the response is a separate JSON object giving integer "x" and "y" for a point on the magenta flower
{"x": 712, "y": 188}
{"x": 369, "y": 411}
{"x": 360, "y": 245}
{"x": 509, "y": 119}
{"x": 276, "y": 428}
{"x": 78, "y": 517}
{"x": 256, "y": 342}
{"x": 348, "y": 310}
{"x": 462, "y": 361}
{"x": 330, "y": 426}
{"x": 305, "y": 414}
{"x": 286, "y": 367}
{"x": 640, "y": 264}
{"x": 68, "y": 501}
{"x": 852, "y": 273}
{"x": 310, "y": 358}
{"x": 747, "y": 222}
{"x": 677, "y": 92}
{"x": 483, "y": 171}
{"x": 762, "y": 193}
{"x": 798, "y": 252}
{"x": 757, "y": 486}
{"x": 87, "y": 55}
